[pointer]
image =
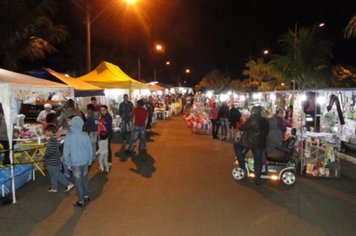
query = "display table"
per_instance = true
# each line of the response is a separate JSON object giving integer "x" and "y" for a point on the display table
{"x": 30, "y": 152}
{"x": 319, "y": 155}
{"x": 22, "y": 173}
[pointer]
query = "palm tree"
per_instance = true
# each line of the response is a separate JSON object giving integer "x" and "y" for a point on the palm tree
{"x": 305, "y": 58}
{"x": 350, "y": 30}
{"x": 259, "y": 72}
{"x": 27, "y": 31}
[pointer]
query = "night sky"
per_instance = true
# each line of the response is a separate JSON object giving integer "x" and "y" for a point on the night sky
{"x": 205, "y": 34}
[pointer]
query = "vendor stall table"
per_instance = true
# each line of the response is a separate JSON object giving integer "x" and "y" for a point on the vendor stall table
{"x": 22, "y": 173}
{"x": 319, "y": 155}
{"x": 31, "y": 152}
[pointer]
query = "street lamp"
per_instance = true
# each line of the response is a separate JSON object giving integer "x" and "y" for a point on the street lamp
{"x": 90, "y": 20}
{"x": 158, "y": 47}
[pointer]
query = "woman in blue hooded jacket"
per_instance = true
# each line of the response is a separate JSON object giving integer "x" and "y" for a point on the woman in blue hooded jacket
{"x": 78, "y": 155}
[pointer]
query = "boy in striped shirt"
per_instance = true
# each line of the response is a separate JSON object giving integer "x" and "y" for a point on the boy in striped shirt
{"x": 52, "y": 159}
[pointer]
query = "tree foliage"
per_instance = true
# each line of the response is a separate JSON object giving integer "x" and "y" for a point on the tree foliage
{"x": 261, "y": 73}
{"x": 345, "y": 76}
{"x": 305, "y": 58}
{"x": 350, "y": 30}
{"x": 27, "y": 31}
{"x": 214, "y": 80}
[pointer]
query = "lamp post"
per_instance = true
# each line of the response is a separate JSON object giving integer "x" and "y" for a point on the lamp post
{"x": 90, "y": 20}
{"x": 157, "y": 48}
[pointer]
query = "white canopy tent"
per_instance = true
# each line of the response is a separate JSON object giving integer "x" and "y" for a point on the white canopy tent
{"x": 16, "y": 87}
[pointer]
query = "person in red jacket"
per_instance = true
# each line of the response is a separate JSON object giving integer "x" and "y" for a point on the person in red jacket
{"x": 140, "y": 115}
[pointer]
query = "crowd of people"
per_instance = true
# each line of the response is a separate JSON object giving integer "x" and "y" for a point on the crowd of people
{"x": 87, "y": 136}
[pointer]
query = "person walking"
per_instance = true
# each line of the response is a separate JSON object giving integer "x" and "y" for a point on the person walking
{"x": 125, "y": 109}
{"x": 106, "y": 120}
{"x": 213, "y": 115}
{"x": 255, "y": 131}
{"x": 140, "y": 115}
{"x": 223, "y": 117}
{"x": 78, "y": 155}
{"x": 92, "y": 127}
{"x": 150, "y": 109}
{"x": 234, "y": 117}
{"x": 52, "y": 160}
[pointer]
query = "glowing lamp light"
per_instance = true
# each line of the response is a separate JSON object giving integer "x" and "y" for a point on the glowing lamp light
{"x": 242, "y": 97}
{"x": 159, "y": 92}
{"x": 235, "y": 96}
{"x": 256, "y": 96}
{"x": 145, "y": 92}
{"x": 229, "y": 93}
{"x": 302, "y": 97}
{"x": 131, "y": 1}
{"x": 273, "y": 97}
{"x": 274, "y": 177}
{"x": 223, "y": 97}
{"x": 309, "y": 119}
{"x": 321, "y": 100}
{"x": 209, "y": 94}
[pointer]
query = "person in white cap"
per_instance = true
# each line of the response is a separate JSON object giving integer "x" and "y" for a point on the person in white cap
{"x": 41, "y": 118}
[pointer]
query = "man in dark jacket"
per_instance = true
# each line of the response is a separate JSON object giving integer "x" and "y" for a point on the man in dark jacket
{"x": 125, "y": 109}
{"x": 255, "y": 131}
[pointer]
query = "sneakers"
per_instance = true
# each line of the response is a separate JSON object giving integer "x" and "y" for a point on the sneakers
{"x": 79, "y": 204}
{"x": 52, "y": 190}
{"x": 86, "y": 199}
{"x": 101, "y": 169}
{"x": 69, "y": 187}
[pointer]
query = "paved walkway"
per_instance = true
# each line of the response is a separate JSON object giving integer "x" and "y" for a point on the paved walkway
{"x": 183, "y": 186}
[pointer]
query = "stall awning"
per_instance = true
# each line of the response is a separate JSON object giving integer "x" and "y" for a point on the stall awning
{"x": 107, "y": 75}
{"x": 81, "y": 88}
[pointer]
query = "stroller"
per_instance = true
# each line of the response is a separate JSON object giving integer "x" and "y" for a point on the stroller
{"x": 281, "y": 167}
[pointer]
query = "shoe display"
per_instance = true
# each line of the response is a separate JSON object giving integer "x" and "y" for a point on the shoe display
{"x": 79, "y": 204}
{"x": 69, "y": 187}
{"x": 52, "y": 190}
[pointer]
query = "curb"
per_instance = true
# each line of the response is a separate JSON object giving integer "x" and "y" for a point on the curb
{"x": 347, "y": 158}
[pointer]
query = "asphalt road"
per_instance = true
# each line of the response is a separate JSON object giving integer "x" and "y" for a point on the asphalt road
{"x": 183, "y": 186}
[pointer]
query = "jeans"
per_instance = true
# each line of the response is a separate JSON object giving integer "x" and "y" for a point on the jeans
{"x": 214, "y": 128}
{"x": 240, "y": 152}
{"x": 138, "y": 131}
{"x": 223, "y": 124}
{"x": 149, "y": 121}
{"x": 56, "y": 176}
{"x": 80, "y": 174}
{"x": 93, "y": 139}
{"x": 109, "y": 150}
{"x": 124, "y": 125}
{"x": 257, "y": 157}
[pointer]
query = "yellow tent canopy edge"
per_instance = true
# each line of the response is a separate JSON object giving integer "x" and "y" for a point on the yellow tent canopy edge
{"x": 107, "y": 75}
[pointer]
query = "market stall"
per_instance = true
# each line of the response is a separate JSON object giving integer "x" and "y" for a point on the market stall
{"x": 19, "y": 88}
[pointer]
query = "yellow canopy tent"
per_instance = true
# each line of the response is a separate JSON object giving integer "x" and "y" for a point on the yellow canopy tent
{"x": 81, "y": 88}
{"x": 107, "y": 75}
